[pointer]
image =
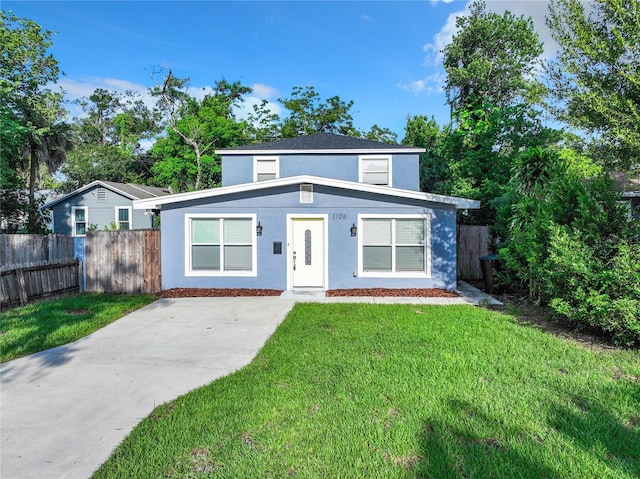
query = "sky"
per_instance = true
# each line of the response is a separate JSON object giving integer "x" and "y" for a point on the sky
{"x": 384, "y": 56}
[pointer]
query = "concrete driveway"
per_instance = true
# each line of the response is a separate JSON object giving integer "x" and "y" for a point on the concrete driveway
{"x": 63, "y": 411}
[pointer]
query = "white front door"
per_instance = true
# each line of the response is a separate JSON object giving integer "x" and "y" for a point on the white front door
{"x": 307, "y": 252}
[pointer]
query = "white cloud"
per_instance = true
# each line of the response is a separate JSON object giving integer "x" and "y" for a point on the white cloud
{"x": 442, "y": 39}
{"x": 430, "y": 84}
{"x": 260, "y": 92}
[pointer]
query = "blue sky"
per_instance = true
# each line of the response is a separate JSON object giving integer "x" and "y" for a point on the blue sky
{"x": 382, "y": 55}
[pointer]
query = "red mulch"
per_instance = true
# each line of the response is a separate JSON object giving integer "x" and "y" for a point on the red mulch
{"x": 409, "y": 292}
{"x": 216, "y": 292}
{"x": 230, "y": 292}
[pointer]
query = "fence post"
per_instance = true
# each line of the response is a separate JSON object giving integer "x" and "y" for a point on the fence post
{"x": 22, "y": 287}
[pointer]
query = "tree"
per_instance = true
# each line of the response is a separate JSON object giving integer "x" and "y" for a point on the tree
{"x": 595, "y": 77}
{"x": 309, "y": 114}
{"x": 492, "y": 93}
{"x": 25, "y": 71}
{"x": 107, "y": 140}
{"x": 185, "y": 158}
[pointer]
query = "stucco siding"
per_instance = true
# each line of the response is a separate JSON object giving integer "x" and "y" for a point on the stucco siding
{"x": 271, "y": 208}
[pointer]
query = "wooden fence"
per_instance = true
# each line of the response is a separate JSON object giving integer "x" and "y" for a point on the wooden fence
{"x": 123, "y": 261}
{"x": 20, "y": 249}
{"x": 20, "y": 284}
{"x": 473, "y": 242}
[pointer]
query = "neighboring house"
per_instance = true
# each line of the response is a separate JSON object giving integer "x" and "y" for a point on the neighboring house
{"x": 630, "y": 188}
{"x": 321, "y": 211}
{"x": 101, "y": 204}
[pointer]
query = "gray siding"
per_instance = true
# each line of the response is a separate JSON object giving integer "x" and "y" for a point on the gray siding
{"x": 342, "y": 208}
{"x": 238, "y": 169}
{"x": 100, "y": 213}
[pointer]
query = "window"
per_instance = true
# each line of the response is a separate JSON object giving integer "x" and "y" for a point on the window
{"x": 220, "y": 245}
{"x": 79, "y": 218}
{"x": 394, "y": 246}
{"x": 266, "y": 168}
{"x": 375, "y": 170}
{"x": 123, "y": 217}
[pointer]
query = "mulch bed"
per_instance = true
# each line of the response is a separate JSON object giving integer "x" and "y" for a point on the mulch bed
{"x": 408, "y": 292}
{"x": 230, "y": 292}
{"x": 216, "y": 292}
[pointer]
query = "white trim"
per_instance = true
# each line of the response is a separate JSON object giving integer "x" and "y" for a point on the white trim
{"x": 366, "y": 151}
{"x": 258, "y": 158}
{"x": 301, "y": 216}
{"x": 187, "y": 246}
{"x": 153, "y": 203}
{"x": 73, "y": 220}
{"x": 118, "y": 216}
{"x": 389, "y": 159}
{"x": 403, "y": 274}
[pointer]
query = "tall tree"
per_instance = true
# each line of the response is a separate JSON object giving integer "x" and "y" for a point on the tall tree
{"x": 26, "y": 70}
{"x": 185, "y": 158}
{"x": 595, "y": 77}
{"x": 107, "y": 140}
{"x": 492, "y": 93}
{"x": 424, "y": 132}
{"x": 309, "y": 114}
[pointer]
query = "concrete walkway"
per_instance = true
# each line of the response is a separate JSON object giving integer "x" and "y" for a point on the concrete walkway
{"x": 64, "y": 410}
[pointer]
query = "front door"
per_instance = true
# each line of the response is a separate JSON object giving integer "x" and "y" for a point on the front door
{"x": 308, "y": 252}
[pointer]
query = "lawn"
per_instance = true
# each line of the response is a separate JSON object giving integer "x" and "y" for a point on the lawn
{"x": 48, "y": 324}
{"x": 397, "y": 391}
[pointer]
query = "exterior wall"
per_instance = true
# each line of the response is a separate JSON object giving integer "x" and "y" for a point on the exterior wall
{"x": 100, "y": 213}
{"x": 271, "y": 208}
{"x": 238, "y": 169}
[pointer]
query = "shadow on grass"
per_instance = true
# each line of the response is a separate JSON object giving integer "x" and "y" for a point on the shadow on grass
{"x": 472, "y": 444}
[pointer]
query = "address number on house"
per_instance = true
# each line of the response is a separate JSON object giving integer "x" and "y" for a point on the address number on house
{"x": 338, "y": 216}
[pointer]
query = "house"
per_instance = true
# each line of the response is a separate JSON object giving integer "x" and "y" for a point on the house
{"x": 630, "y": 187}
{"x": 322, "y": 211}
{"x": 99, "y": 205}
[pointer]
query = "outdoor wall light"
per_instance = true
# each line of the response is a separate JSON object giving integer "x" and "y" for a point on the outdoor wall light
{"x": 259, "y": 229}
{"x": 354, "y": 230}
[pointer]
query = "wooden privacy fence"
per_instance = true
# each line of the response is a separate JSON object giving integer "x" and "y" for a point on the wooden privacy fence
{"x": 20, "y": 284}
{"x": 20, "y": 249}
{"x": 473, "y": 242}
{"x": 123, "y": 261}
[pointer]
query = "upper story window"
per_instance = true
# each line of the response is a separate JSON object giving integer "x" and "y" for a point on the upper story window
{"x": 123, "y": 217}
{"x": 266, "y": 168}
{"x": 79, "y": 220}
{"x": 375, "y": 170}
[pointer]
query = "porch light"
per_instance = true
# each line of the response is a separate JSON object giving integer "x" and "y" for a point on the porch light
{"x": 354, "y": 230}
{"x": 259, "y": 229}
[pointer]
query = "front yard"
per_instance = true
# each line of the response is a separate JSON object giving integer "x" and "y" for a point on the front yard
{"x": 384, "y": 391}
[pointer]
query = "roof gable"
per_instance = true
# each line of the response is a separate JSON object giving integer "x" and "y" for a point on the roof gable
{"x": 154, "y": 203}
{"x": 320, "y": 143}
{"x": 127, "y": 190}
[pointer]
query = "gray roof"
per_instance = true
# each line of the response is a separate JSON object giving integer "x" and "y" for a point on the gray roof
{"x": 128, "y": 190}
{"x": 320, "y": 141}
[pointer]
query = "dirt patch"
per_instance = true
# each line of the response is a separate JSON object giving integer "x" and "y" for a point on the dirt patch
{"x": 401, "y": 293}
{"x": 78, "y": 311}
{"x": 216, "y": 292}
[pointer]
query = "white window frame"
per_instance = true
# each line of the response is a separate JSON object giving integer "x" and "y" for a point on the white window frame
{"x": 389, "y": 158}
{"x": 117, "y": 209}
{"x": 73, "y": 220}
{"x": 393, "y": 274}
{"x": 187, "y": 245}
{"x": 257, "y": 159}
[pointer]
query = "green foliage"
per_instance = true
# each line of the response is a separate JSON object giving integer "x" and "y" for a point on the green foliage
{"x": 309, "y": 114}
{"x": 570, "y": 244}
{"x": 32, "y": 109}
{"x": 595, "y": 78}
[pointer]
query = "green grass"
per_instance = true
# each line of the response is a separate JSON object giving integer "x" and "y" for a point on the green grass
{"x": 395, "y": 391}
{"x": 48, "y": 324}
